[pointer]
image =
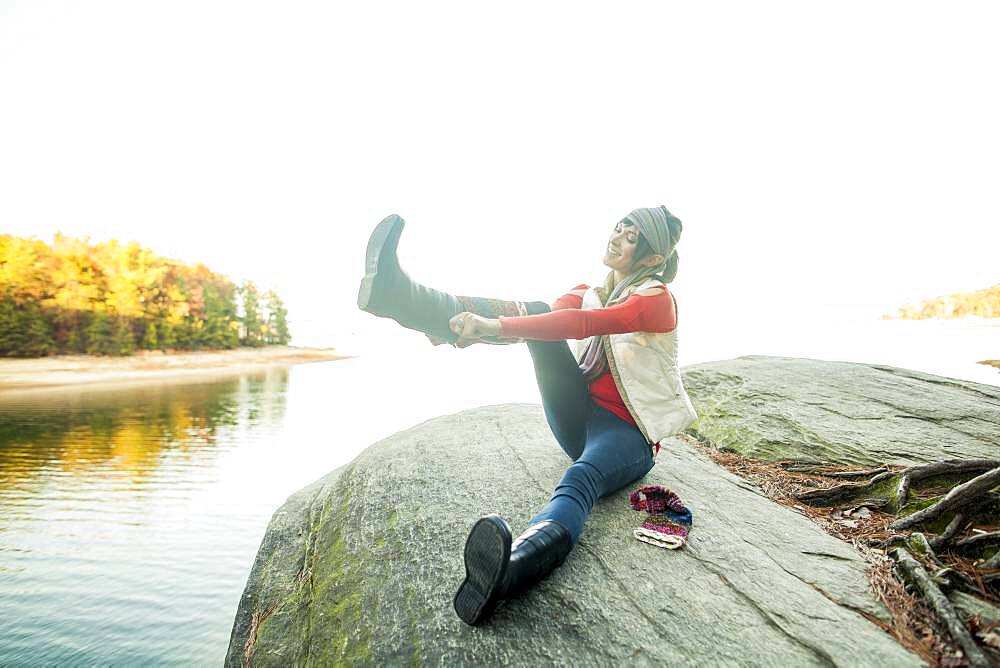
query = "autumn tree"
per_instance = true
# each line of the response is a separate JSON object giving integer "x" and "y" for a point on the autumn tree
{"x": 113, "y": 298}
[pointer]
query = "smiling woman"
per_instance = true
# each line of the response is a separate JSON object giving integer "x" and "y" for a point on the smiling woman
{"x": 628, "y": 248}
{"x": 609, "y": 403}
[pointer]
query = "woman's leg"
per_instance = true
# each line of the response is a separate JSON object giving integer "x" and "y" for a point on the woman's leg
{"x": 615, "y": 454}
{"x": 565, "y": 395}
{"x": 608, "y": 454}
{"x": 387, "y": 291}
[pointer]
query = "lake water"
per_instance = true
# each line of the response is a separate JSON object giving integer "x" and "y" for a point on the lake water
{"x": 130, "y": 517}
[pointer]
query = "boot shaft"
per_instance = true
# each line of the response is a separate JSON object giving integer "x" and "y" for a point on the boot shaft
{"x": 535, "y": 553}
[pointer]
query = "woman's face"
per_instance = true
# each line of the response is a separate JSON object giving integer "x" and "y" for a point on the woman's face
{"x": 621, "y": 247}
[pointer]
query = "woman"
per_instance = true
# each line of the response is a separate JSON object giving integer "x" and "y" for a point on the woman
{"x": 609, "y": 405}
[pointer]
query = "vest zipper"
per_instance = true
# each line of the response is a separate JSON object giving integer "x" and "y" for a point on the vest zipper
{"x": 621, "y": 390}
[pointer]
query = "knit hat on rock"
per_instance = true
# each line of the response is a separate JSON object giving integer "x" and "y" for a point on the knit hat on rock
{"x": 668, "y": 522}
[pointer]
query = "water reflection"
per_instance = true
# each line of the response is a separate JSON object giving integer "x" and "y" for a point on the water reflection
{"x": 125, "y": 526}
{"x": 130, "y": 432}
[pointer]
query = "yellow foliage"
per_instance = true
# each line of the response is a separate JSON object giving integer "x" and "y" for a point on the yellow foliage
{"x": 981, "y": 303}
{"x": 110, "y": 298}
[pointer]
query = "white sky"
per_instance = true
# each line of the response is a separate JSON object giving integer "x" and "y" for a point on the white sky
{"x": 819, "y": 155}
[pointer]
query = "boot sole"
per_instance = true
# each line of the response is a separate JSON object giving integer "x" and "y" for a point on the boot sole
{"x": 487, "y": 552}
{"x": 381, "y": 233}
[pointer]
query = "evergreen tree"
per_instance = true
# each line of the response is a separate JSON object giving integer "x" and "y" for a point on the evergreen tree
{"x": 253, "y": 323}
{"x": 98, "y": 334}
{"x": 12, "y": 335}
{"x": 24, "y": 331}
{"x": 165, "y": 335}
{"x": 122, "y": 340}
{"x": 277, "y": 320}
{"x": 151, "y": 339}
{"x": 221, "y": 328}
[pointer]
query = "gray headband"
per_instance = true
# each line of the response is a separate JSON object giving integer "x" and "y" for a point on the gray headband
{"x": 662, "y": 230}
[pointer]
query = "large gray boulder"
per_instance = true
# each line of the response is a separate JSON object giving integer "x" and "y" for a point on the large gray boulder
{"x": 361, "y": 566}
{"x": 773, "y": 408}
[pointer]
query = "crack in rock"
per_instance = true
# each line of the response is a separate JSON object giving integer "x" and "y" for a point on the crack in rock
{"x": 636, "y": 605}
{"x": 822, "y": 655}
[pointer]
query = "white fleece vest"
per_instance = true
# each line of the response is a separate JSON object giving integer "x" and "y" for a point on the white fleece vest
{"x": 644, "y": 366}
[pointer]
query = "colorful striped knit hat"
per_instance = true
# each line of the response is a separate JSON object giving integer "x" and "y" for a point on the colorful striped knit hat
{"x": 668, "y": 522}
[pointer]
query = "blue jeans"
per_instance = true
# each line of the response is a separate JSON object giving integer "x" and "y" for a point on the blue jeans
{"x": 608, "y": 453}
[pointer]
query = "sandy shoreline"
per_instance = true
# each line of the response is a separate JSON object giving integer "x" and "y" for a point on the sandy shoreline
{"x": 66, "y": 370}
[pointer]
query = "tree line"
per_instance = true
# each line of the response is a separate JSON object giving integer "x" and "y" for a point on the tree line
{"x": 115, "y": 299}
{"x": 982, "y": 303}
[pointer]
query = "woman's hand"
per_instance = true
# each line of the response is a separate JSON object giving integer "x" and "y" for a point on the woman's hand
{"x": 471, "y": 327}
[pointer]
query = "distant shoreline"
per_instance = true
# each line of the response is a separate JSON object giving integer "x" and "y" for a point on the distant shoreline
{"x": 70, "y": 370}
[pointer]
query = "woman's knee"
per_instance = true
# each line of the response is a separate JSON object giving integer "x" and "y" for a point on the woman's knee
{"x": 618, "y": 463}
{"x": 536, "y": 308}
{"x": 584, "y": 476}
{"x": 625, "y": 475}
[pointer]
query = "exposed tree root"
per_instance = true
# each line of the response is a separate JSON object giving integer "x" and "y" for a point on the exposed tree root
{"x": 975, "y": 544}
{"x": 959, "y": 496}
{"x": 956, "y": 524}
{"x": 856, "y": 475}
{"x": 823, "y": 469}
{"x": 847, "y": 491}
{"x": 955, "y": 544}
{"x": 896, "y": 495}
{"x": 914, "y": 573}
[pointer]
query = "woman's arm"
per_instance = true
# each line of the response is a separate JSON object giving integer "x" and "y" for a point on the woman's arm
{"x": 652, "y": 311}
{"x": 472, "y": 328}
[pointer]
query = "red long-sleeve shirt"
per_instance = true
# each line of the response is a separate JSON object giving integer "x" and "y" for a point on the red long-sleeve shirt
{"x": 649, "y": 311}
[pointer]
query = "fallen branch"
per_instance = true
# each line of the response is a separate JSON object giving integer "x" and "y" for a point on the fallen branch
{"x": 915, "y": 574}
{"x": 959, "y": 495}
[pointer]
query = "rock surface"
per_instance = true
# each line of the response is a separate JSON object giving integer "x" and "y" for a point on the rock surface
{"x": 361, "y": 566}
{"x": 772, "y": 408}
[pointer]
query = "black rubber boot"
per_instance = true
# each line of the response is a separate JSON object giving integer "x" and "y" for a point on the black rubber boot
{"x": 534, "y": 554}
{"x": 387, "y": 291}
{"x": 496, "y": 568}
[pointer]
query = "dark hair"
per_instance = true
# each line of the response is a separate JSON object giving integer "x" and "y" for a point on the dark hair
{"x": 642, "y": 249}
